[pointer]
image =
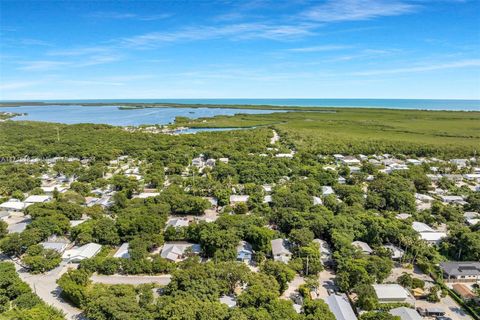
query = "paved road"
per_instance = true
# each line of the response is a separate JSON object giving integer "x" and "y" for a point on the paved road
{"x": 45, "y": 286}
{"x": 134, "y": 280}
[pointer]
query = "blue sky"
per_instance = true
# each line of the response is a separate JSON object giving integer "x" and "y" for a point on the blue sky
{"x": 239, "y": 49}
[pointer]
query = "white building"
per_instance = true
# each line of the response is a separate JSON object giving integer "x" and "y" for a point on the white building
{"x": 38, "y": 199}
{"x": 122, "y": 251}
{"x": 13, "y": 205}
{"x": 363, "y": 246}
{"x": 77, "y": 254}
{"x": 280, "y": 251}
{"x": 234, "y": 199}
{"x": 244, "y": 252}
{"x": 392, "y": 293}
{"x": 178, "y": 250}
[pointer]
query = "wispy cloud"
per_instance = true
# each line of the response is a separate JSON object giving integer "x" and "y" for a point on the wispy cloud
{"x": 14, "y": 85}
{"x": 232, "y": 31}
{"x": 320, "y": 48}
{"x": 422, "y": 68}
{"x": 103, "y": 15}
{"x": 353, "y": 10}
{"x": 41, "y": 65}
{"x": 49, "y": 65}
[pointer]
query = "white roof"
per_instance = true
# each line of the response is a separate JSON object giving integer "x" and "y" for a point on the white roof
{"x": 326, "y": 190}
{"x": 145, "y": 195}
{"x": 421, "y": 227}
{"x": 280, "y": 251}
{"x": 362, "y": 246}
{"x": 175, "y": 250}
{"x": 239, "y": 198}
{"x": 57, "y": 246}
{"x": 397, "y": 253}
{"x": 340, "y": 307}
{"x": 405, "y": 313}
{"x": 122, "y": 252}
{"x": 177, "y": 222}
{"x": 84, "y": 252}
{"x": 432, "y": 236}
{"x": 317, "y": 201}
{"x": 13, "y": 205}
{"x": 37, "y": 199}
{"x": 228, "y": 300}
{"x": 390, "y": 292}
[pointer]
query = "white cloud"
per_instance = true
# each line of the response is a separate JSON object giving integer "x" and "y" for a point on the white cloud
{"x": 41, "y": 65}
{"x": 353, "y": 10}
{"x": 232, "y": 31}
{"x": 126, "y": 16}
{"x": 320, "y": 48}
{"x": 422, "y": 68}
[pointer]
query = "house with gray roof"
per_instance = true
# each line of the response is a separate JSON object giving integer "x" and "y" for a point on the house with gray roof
{"x": 280, "y": 250}
{"x": 461, "y": 271}
{"x": 340, "y": 307}
{"x": 406, "y": 313}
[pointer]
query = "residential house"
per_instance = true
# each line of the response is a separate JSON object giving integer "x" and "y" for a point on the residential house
{"x": 234, "y": 199}
{"x": 325, "y": 251}
{"x": 179, "y": 250}
{"x": 78, "y": 254}
{"x": 122, "y": 251}
{"x": 280, "y": 250}
{"x": 58, "y": 244}
{"x": 327, "y": 190}
{"x": 464, "y": 292}
{"x": 38, "y": 199}
{"x": 340, "y": 307}
{"x": 363, "y": 246}
{"x": 177, "y": 222}
{"x": 461, "y": 271}
{"x": 244, "y": 252}
{"x": 405, "y": 313}
{"x": 396, "y": 252}
{"x": 393, "y": 293}
{"x": 13, "y": 205}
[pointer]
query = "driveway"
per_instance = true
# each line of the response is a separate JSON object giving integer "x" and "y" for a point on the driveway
{"x": 293, "y": 286}
{"x": 133, "y": 280}
{"x": 447, "y": 304}
{"x": 326, "y": 281}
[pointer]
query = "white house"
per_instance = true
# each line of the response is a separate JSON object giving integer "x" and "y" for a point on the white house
{"x": 38, "y": 199}
{"x": 122, "y": 251}
{"x": 396, "y": 252}
{"x": 58, "y": 244}
{"x": 325, "y": 251}
{"x": 77, "y": 254}
{"x": 178, "y": 250}
{"x": 13, "y": 205}
{"x": 234, "y": 199}
{"x": 327, "y": 190}
{"x": 178, "y": 222}
{"x": 363, "y": 246}
{"x": 244, "y": 252}
{"x": 280, "y": 251}
{"x": 392, "y": 293}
